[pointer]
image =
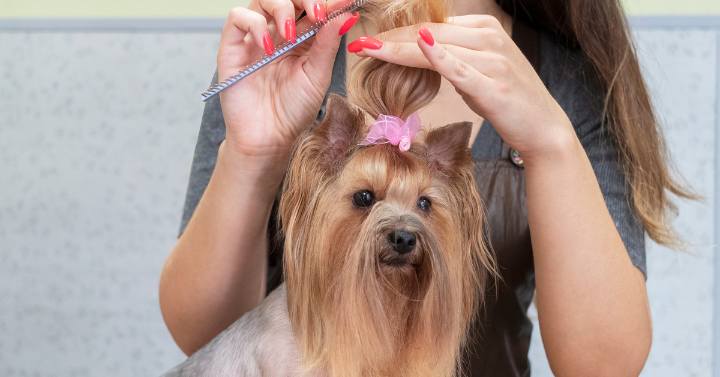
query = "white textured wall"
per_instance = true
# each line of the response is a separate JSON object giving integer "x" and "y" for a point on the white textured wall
{"x": 96, "y": 138}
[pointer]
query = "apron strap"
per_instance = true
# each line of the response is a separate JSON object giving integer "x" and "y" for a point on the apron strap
{"x": 528, "y": 40}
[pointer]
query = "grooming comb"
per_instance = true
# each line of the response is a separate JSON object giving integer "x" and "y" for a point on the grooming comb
{"x": 281, "y": 50}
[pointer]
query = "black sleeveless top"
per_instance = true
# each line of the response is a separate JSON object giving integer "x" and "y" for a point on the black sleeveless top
{"x": 500, "y": 340}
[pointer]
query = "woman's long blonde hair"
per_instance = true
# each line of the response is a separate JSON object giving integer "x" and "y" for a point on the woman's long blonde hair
{"x": 600, "y": 30}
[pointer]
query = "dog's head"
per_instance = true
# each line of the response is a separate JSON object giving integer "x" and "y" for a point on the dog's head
{"x": 384, "y": 261}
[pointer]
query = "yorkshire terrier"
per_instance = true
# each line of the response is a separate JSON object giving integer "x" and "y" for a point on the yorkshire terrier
{"x": 385, "y": 263}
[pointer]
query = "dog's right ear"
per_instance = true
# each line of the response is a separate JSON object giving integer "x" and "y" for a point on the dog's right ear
{"x": 339, "y": 131}
{"x": 447, "y": 147}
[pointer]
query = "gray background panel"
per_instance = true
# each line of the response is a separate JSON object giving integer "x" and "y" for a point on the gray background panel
{"x": 96, "y": 136}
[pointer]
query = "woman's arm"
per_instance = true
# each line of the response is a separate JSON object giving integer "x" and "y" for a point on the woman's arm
{"x": 216, "y": 271}
{"x": 592, "y": 301}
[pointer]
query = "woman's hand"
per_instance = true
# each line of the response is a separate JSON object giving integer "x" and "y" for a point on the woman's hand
{"x": 266, "y": 111}
{"x": 487, "y": 68}
{"x": 217, "y": 270}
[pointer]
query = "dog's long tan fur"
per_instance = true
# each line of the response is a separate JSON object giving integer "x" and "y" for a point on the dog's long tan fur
{"x": 347, "y": 313}
{"x": 353, "y": 316}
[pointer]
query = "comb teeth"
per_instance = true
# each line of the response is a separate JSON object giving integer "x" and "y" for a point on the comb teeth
{"x": 353, "y": 6}
{"x": 281, "y": 50}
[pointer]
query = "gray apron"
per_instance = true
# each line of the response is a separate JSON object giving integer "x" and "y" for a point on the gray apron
{"x": 500, "y": 342}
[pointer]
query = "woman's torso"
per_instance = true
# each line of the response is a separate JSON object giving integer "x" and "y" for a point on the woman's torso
{"x": 500, "y": 339}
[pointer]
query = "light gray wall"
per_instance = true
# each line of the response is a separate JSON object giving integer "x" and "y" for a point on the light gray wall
{"x": 96, "y": 137}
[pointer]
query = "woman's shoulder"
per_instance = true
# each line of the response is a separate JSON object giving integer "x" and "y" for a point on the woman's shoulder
{"x": 572, "y": 80}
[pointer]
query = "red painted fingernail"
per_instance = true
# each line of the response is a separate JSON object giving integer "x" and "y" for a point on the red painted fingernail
{"x": 290, "y": 31}
{"x": 363, "y": 43}
{"x": 268, "y": 43}
{"x": 349, "y": 23}
{"x": 319, "y": 11}
{"x": 426, "y": 36}
{"x": 354, "y": 47}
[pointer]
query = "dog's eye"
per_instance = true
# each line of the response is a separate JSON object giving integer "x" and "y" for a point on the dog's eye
{"x": 363, "y": 199}
{"x": 424, "y": 203}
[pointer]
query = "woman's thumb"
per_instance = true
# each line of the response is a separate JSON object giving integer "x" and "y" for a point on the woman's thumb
{"x": 321, "y": 55}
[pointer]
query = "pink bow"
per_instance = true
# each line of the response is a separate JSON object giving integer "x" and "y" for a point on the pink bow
{"x": 393, "y": 130}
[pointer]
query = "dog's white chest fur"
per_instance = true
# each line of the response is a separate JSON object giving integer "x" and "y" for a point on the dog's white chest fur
{"x": 260, "y": 343}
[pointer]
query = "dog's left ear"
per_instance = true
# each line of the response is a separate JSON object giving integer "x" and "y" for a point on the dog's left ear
{"x": 447, "y": 147}
{"x": 339, "y": 131}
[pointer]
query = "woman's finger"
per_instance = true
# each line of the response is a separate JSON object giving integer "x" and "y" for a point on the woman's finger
{"x": 319, "y": 10}
{"x": 448, "y": 34}
{"x": 299, "y": 7}
{"x": 401, "y": 53}
{"x": 409, "y": 54}
{"x": 240, "y": 22}
{"x": 315, "y": 10}
{"x": 282, "y": 13}
{"x": 462, "y": 75}
{"x": 320, "y": 57}
{"x": 285, "y": 13}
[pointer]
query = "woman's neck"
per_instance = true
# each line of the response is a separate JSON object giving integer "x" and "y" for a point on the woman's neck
{"x": 461, "y": 7}
{"x": 491, "y": 7}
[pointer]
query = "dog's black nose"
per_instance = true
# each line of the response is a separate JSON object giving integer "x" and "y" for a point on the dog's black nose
{"x": 402, "y": 241}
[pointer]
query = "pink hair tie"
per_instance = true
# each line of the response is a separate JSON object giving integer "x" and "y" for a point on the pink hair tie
{"x": 393, "y": 130}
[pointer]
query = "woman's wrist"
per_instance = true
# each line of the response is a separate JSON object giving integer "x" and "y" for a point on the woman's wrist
{"x": 561, "y": 143}
{"x": 257, "y": 174}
